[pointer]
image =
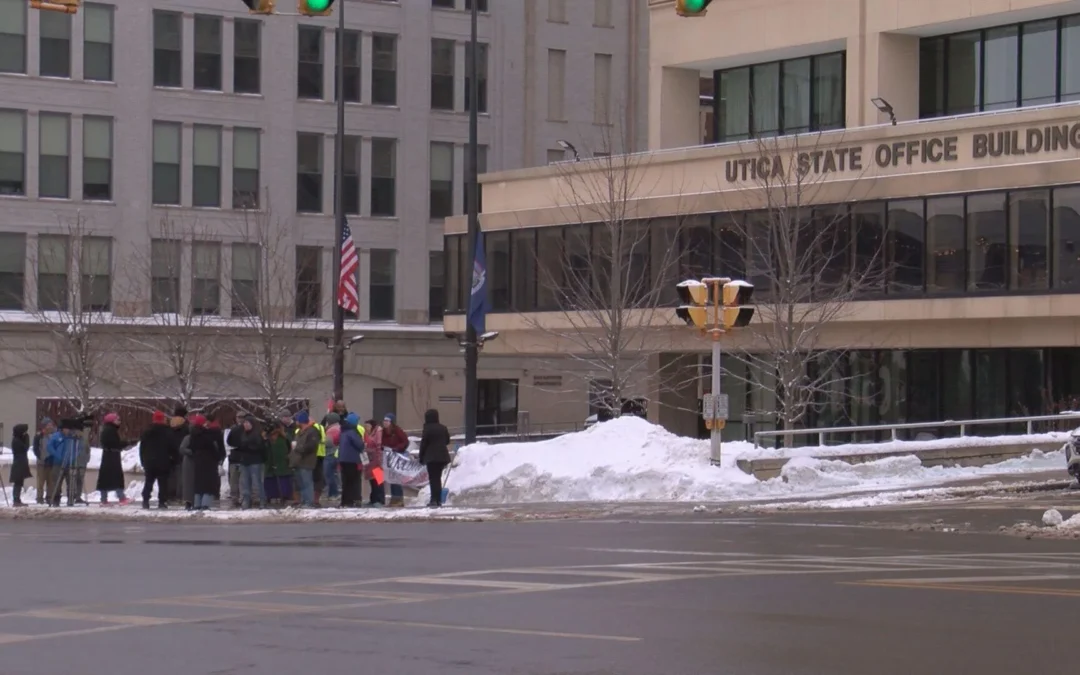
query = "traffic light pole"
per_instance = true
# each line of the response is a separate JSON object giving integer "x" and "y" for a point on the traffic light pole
{"x": 472, "y": 348}
{"x": 714, "y": 433}
{"x": 339, "y": 208}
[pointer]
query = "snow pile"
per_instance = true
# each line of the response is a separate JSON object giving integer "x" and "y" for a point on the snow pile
{"x": 629, "y": 459}
{"x": 1052, "y": 518}
{"x": 747, "y": 450}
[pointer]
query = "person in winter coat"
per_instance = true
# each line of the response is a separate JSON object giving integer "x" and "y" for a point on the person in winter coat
{"x": 63, "y": 451}
{"x": 250, "y": 451}
{"x": 330, "y": 458}
{"x": 111, "y": 473}
{"x": 373, "y": 446}
{"x": 202, "y": 446}
{"x": 234, "y": 460}
{"x": 434, "y": 453}
{"x": 279, "y": 477}
{"x": 394, "y": 439}
{"x": 158, "y": 451}
{"x": 304, "y": 455}
{"x": 350, "y": 458}
{"x": 20, "y": 463}
{"x": 214, "y": 426}
{"x": 39, "y": 445}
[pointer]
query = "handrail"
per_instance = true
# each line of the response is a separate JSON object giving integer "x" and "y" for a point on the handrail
{"x": 963, "y": 424}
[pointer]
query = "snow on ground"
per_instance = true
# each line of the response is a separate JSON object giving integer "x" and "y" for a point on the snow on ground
{"x": 629, "y": 459}
{"x": 746, "y": 450}
{"x": 129, "y": 458}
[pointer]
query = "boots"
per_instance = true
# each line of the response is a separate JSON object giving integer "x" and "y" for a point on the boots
{"x": 146, "y": 504}
{"x": 397, "y": 502}
{"x": 17, "y": 489}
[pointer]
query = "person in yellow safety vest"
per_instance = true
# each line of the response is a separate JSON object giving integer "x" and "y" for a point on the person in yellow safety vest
{"x": 320, "y": 460}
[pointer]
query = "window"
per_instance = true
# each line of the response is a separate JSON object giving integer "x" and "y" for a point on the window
{"x": 383, "y": 69}
{"x": 987, "y": 245}
{"x": 999, "y": 68}
{"x": 945, "y": 245}
{"x": 55, "y": 44}
{"x": 208, "y": 53}
{"x": 963, "y": 73}
{"x": 481, "y": 77}
{"x": 352, "y": 66}
{"x": 384, "y": 401}
{"x": 12, "y": 152}
{"x": 783, "y": 97}
{"x": 868, "y": 232}
{"x": 52, "y": 272}
{"x": 556, "y": 84}
{"x": 245, "y": 168}
{"x": 309, "y": 70}
{"x": 442, "y": 74}
{"x": 382, "y": 284}
{"x": 247, "y": 73}
{"x": 95, "y": 268}
{"x": 54, "y": 164}
{"x": 1067, "y": 238}
{"x": 557, "y": 11}
{"x": 164, "y": 276}
{"x": 602, "y": 88}
{"x": 550, "y": 268}
{"x": 166, "y": 179}
{"x": 443, "y": 4}
{"x": 436, "y": 285}
{"x": 523, "y": 269}
{"x": 556, "y": 156}
{"x": 442, "y": 180}
{"x": 206, "y": 278}
{"x": 351, "y": 176}
{"x": 383, "y": 177}
{"x": 497, "y": 253}
{"x": 1070, "y": 59}
{"x": 97, "y": 158}
{"x": 245, "y": 280}
{"x": 906, "y": 253}
{"x": 454, "y": 287}
{"x": 309, "y": 153}
{"x": 481, "y": 5}
{"x": 481, "y": 169}
{"x": 206, "y": 166}
{"x": 98, "y": 42}
{"x": 602, "y": 13}
{"x": 1029, "y": 238}
{"x": 1038, "y": 47}
{"x": 308, "y": 282}
{"x": 13, "y": 36}
{"x": 12, "y": 269}
{"x": 167, "y": 49}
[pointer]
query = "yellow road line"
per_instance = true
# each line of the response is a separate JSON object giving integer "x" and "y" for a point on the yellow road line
{"x": 484, "y": 629}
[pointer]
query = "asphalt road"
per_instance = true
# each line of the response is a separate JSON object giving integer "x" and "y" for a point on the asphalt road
{"x": 694, "y": 594}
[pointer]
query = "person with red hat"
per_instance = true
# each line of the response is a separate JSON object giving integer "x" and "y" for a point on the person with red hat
{"x": 111, "y": 474}
{"x": 158, "y": 452}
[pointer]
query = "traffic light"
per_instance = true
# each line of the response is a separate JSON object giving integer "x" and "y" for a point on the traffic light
{"x": 314, "y": 7}
{"x": 735, "y": 295}
{"x": 65, "y": 6}
{"x": 691, "y": 8}
{"x": 260, "y": 6}
{"x": 694, "y": 297}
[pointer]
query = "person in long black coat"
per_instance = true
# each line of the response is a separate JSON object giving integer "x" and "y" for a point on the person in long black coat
{"x": 111, "y": 474}
{"x": 205, "y": 453}
{"x": 158, "y": 450}
{"x": 20, "y": 465}
{"x": 434, "y": 453}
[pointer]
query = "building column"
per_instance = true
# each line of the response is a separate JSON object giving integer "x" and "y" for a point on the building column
{"x": 674, "y": 108}
{"x": 187, "y": 41}
{"x": 329, "y": 60}
{"x": 363, "y": 287}
{"x": 459, "y": 76}
{"x": 228, "y": 53}
{"x": 892, "y": 73}
{"x": 226, "y": 160}
{"x": 458, "y": 189}
{"x": 365, "y": 68}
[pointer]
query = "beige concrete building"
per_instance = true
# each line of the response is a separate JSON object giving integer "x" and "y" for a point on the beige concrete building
{"x": 967, "y": 205}
{"x": 164, "y": 158}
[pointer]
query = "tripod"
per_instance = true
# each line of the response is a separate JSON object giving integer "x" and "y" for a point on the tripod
{"x": 70, "y": 474}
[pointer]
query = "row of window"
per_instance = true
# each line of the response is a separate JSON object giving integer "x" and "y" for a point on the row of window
{"x": 54, "y": 41}
{"x": 602, "y": 87}
{"x": 54, "y": 155}
{"x": 1025, "y": 241}
{"x": 55, "y": 273}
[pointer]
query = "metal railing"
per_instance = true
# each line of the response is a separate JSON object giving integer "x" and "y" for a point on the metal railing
{"x": 822, "y": 432}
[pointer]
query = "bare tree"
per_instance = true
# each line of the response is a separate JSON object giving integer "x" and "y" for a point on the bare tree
{"x": 810, "y": 256}
{"x": 274, "y": 313}
{"x": 609, "y": 277}
{"x": 73, "y": 268}
{"x": 169, "y": 359}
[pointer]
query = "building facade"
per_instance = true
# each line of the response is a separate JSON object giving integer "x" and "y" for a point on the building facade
{"x": 929, "y": 150}
{"x": 153, "y": 153}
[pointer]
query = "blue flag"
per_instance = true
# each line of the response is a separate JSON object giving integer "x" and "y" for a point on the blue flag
{"x": 478, "y": 296}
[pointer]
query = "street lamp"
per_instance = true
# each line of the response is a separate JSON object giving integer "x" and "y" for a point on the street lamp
{"x": 329, "y": 342}
{"x": 465, "y": 344}
{"x": 883, "y": 106}
{"x": 567, "y": 145}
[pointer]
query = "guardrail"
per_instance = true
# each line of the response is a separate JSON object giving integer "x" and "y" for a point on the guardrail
{"x": 822, "y": 432}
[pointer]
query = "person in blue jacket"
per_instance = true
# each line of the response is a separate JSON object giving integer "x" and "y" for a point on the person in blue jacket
{"x": 63, "y": 449}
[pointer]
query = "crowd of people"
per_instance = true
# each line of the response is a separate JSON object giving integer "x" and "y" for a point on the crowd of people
{"x": 288, "y": 460}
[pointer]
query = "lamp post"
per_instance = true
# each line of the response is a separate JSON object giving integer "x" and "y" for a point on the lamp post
{"x": 472, "y": 351}
{"x": 339, "y": 209}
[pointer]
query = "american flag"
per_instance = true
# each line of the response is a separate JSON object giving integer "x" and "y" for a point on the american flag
{"x": 347, "y": 296}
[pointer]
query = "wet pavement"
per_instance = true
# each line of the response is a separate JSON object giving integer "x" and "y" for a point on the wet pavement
{"x": 639, "y": 589}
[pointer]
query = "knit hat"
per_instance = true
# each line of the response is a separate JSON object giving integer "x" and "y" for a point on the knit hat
{"x": 198, "y": 420}
{"x": 302, "y": 417}
{"x": 111, "y": 418}
{"x": 389, "y": 416}
{"x": 333, "y": 418}
{"x": 352, "y": 418}
{"x": 158, "y": 417}
{"x": 46, "y": 421}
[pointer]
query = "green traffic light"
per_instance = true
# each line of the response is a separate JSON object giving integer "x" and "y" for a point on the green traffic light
{"x": 694, "y": 5}
{"x": 321, "y": 5}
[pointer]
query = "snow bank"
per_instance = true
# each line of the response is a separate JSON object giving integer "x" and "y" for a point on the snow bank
{"x": 629, "y": 459}
{"x": 129, "y": 458}
{"x": 748, "y": 451}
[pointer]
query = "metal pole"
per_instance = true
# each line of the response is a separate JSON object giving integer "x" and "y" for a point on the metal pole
{"x": 339, "y": 208}
{"x": 714, "y": 435}
{"x": 471, "y": 348}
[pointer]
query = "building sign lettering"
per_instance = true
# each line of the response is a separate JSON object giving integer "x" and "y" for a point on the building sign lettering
{"x": 930, "y": 150}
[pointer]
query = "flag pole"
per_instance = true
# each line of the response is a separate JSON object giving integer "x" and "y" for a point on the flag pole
{"x": 339, "y": 209}
{"x": 471, "y": 347}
